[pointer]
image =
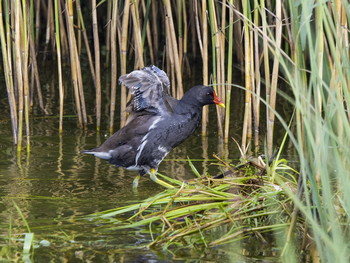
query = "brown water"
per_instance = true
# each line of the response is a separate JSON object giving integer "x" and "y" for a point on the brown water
{"x": 55, "y": 185}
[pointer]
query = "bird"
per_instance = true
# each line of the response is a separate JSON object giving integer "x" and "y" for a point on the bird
{"x": 157, "y": 122}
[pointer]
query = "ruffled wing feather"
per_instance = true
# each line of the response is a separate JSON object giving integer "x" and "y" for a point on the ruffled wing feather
{"x": 150, "y": 89}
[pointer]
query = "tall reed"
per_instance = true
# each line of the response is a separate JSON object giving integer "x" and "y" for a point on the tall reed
{"x": 137, "y": 35}
{"x": 322, "y": 126}
{"x": 75, "y": 66}
{"x": 123, "y": 53}
{"x": 229, "y": 73}
{"x": 86, "y": 41}
{"x": 217, "y": 45}
{"x": 6, "y": 49}
{"x": 204, "y": 51}
{"x": 275, "y": 70}
{"x": 97, "y": 65}
{"x": 175, "y": 51}
{"x": 59, "y": 65}
{"x": 19, "y": 71}
{"x": 113, "y": 64}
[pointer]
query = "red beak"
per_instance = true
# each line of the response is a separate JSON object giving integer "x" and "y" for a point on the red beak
{"x": 218, "y": 101}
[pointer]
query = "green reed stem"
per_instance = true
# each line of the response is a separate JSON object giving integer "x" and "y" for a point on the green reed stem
{"x": 59, "y": 65}
{"x": 229, "y": 73}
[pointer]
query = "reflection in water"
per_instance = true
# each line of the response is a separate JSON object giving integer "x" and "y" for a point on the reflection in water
{"x": 55, "y": 185}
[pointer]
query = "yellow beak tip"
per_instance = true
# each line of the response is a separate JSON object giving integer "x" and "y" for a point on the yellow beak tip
{"x": 222, "y": 105}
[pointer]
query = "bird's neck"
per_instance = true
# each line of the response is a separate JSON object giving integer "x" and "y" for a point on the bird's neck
{"x": 185, "y": 105}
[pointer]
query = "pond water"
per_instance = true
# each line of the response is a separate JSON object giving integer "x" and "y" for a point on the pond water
{"x": 53, "y": 186}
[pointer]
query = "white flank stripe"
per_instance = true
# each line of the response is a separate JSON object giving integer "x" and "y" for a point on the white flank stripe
{"x": 144, "y": 140}
{"x": 139, "y": 150}
{"x": 162, "y": 149}
{"x": 154, "y": 124}
{"x": 134, "y": 168}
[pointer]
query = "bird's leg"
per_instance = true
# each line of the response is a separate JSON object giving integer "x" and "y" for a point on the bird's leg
{"x": 135, "y": 183}
{"x": 152, "y": 174}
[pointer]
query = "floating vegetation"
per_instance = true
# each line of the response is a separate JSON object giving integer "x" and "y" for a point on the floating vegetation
{"x": 211, "y": 211}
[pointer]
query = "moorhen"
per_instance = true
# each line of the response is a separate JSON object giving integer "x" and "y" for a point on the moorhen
{"x": 156, "y": 124}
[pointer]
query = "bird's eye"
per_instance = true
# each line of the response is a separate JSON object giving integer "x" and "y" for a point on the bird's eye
{"x": 208, "y": 94}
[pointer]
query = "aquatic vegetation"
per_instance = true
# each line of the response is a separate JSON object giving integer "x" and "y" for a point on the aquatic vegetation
{"x": 209, "y": 211}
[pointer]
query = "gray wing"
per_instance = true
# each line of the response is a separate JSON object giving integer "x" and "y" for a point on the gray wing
{"x": 150, "y": 89}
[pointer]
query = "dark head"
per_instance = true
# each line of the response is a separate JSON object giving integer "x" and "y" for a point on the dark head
{"x": 201, "y": 95}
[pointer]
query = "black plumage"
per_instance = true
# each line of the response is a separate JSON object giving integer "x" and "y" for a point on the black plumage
{"x": 157, "y": 122}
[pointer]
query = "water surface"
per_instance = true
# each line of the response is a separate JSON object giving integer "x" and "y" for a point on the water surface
{"x": 54, "y": 186}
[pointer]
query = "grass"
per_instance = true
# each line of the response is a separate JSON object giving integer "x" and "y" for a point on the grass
{"x": 241, "y": 203}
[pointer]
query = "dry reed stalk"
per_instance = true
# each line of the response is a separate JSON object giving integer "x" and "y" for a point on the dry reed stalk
{"x": 238, "y": 34}
{"x": 47, "y": 31}
{"x": 205, "y": 60}
{"x": 113, "y": 40}
{"x": 78, "y": 33}
{"x": 86, "y": 41}
{"x": 257, "y": 80}
{"x": 73, "y": 60}
{"x": 25, "y": 57}
{"x": 59, "y": 65}
{"x": 252, "y": 81}
{"x": 155, "y": 35}
{"x": 184, "y": 59}
{"x": 172, "y": 39}
{"x": 80, "y": 83}
{"x": 185, "y": 31}
{"x": 9, "y": 40}
{"x": 229, "y": 72}
{"x": 193, "y": 28}
{"x": 137, "y": 35}
{"x": 274, "y": 79}
{"x": 221, "y": 87}
{"x": 32, "y": 55}
{"x": 18, "y": 66}
{"x": 217, "y": 59}
{"x": 37, "y": 23}
{"x": 180, "y": 29}
{"x": 8, "y": 73}
{"x": 222, "y": 35}
{"x": 108, "y": 32}
{"x": 123, "y": 52}
{"x": 265, "y": 55}
{"x": 198, "y": 28}
{"x": 63, "y": 33}
{"x": 31, "y": 17}
{"x": 248, "y": 77}
{"x": 35, "y": 70}
{"x": 49, "y": 28}
{"x": 146, "y": 22}
{"x": 170, "y": 60}
{"x": 97, "y": 65}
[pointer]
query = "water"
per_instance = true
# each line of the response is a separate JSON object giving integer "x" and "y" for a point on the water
{"x": 54, "y": 186}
